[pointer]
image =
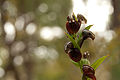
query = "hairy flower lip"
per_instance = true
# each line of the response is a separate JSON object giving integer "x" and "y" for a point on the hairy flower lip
{"x": 68, "y": 46}
{"x": 75, "y": 54}
{"x": 87, "y": 68}
{"x": 88, "y": 34}
{"x": 72, "y": 25}
{"x": 90, "y": 76}
{"x": 89, "y": 72}
{"x": 85, "y": 35}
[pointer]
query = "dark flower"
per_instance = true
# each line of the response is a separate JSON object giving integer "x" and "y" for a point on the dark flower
{"x": 72, "y": 25}
{"x": 86, "y": 34}
{"x": 68, "y": 46}
{"x": 89, "y": 72}
{"x": 81, "y": 18}
{"x": 75, "y": 54}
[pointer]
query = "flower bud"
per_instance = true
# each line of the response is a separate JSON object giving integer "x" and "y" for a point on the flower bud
{"x": 68, "y": 46}
{"x": 89, "y": 72}
{"x": 75, "y": 54}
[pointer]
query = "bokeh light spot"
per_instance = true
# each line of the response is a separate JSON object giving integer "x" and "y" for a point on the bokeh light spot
{"x": 17, "y": 47}
{"x": 2, "y": 72}
{"x": 43, "y": 52}
{"x": 52, "y": 16}
{"x": 46, "y": 33}
{"x": 10, "y": 31}
{"x": 43, "y": 7}
{"x": 18, "y": 60}
{"x": 31, "y": 28}
{"x": 19, "y": 24}
{"x": 49, "y": 33}
{"x": 9, "y": 28}
{"x": 4, "y": 54}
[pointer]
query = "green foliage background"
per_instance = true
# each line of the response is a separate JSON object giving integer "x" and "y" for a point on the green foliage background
{"x": 61, "y": 68}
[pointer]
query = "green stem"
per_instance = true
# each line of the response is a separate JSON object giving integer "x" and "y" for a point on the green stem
{"x": 79, "y": 65}
{"x": 84, "y": 78}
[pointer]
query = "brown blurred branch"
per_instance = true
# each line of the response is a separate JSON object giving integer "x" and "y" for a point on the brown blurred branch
{"x": 116, "y": 14}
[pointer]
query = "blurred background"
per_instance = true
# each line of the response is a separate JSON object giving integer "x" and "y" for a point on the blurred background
{"x": 32, "y": 38}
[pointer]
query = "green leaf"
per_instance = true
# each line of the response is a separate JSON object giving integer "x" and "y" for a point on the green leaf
{"x": 88, "y": 27}
{"x": 73, "y": 41}
{"x": 96, "y": 64}
{"x": 80, "y": 35}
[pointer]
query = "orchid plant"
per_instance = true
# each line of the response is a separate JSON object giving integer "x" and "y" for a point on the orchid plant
{"x": 73, "y": 47}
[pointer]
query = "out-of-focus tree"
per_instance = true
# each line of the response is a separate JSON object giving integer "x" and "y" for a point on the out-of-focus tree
{"x": 24, "y": 54}
{"x": 114, "y": 45}
{"x": 114, "y": 61}
{"x": 116, "y": 14}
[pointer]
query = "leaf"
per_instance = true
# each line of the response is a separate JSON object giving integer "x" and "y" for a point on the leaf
{"x": 73, "y": 41}
{"x": 80, "y": 35}
{"x": 88, "y": 27}
{"x": 96, "y": 64}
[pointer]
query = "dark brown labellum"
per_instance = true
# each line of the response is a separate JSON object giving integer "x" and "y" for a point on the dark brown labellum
{"x": 89, "y": 72}
{"x": 72, "y": 26}
{"x": 68, "y": 46}
{"x": 87, "y": 34}
{"x": 75, "y": 54}
{"x": 91, "y": 76}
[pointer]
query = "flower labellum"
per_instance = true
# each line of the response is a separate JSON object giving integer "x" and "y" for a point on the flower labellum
{"x": 75, "y": 54}
{"x": 87, "y": 34}
{"x": 72, "y": 25}
{"x": 68, "y": 46}
{"x": 89, "y": 72}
